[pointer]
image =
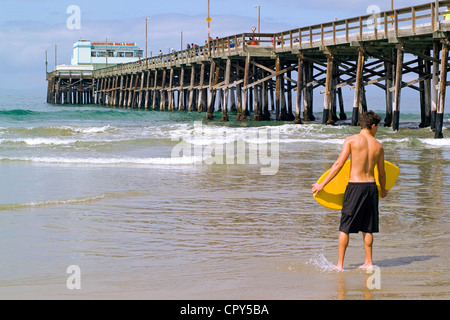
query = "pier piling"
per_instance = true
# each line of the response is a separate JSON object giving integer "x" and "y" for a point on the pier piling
{"x": 398, "y": 88}
{"x": 442, "y": 91}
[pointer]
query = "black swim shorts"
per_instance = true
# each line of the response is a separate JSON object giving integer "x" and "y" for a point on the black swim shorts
{"x": 360, "y": 209}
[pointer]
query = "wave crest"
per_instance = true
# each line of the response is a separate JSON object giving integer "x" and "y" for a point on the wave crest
{"x": 109, "y": 161}
{"x": 42, "y": 203}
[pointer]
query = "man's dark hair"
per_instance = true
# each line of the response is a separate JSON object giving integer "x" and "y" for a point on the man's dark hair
{"x": 369, "y": 119}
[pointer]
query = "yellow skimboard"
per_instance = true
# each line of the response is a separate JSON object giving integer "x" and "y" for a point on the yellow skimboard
{"x": 332, "y": 195}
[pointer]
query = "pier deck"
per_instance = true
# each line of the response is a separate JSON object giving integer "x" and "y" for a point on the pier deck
{"x": 247, "y": 72}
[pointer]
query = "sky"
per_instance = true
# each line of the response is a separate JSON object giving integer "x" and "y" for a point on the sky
{"x": 30, "y": 27}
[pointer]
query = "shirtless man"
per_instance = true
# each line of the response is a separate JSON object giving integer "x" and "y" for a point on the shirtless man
{"x": 360, "y": 209}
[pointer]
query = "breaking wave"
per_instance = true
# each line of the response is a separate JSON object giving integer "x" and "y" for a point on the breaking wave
{"x": 42, "y": 203}
{"x": 108, "y": 161}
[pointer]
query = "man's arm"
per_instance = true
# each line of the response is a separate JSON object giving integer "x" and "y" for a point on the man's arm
{"x": 337, "y": 166}
{"x": 382, "y": 174}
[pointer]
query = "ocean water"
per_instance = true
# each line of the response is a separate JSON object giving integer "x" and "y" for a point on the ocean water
{"x": 163, "y": 205}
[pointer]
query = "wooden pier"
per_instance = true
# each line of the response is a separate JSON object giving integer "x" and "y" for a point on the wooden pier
{"x": 254, "y": 73}
{"x": 71, "y": 86}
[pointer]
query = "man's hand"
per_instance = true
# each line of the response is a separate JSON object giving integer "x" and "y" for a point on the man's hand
{"x": 316, "y": 188}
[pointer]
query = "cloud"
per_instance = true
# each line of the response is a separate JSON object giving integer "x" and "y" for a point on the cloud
{"x": 26, "y": 41}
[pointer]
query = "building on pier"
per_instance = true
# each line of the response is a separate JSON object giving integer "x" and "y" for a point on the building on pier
{"x": 74, "y": 84}
{"x": 104, "y": 54}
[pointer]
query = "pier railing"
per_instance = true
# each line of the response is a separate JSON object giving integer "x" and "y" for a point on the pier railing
{"x": 415, "y": 20}
{"x": 69, "y": 74}
{"x": 383, "y": 25}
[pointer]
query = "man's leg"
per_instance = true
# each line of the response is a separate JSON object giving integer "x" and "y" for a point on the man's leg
{"x": 343, "y": 243}
{"x": 368, "y": 241}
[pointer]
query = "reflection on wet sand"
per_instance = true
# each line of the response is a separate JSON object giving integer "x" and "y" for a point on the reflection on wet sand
{"x": 358, "y": 291}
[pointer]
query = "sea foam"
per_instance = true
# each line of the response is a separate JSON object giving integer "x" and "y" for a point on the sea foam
{"x": 109, "y": 161}
{"x": 319, "y": 261}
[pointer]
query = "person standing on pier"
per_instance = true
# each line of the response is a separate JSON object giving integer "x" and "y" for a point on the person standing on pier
{"x": 447, "y": 13}
{"x": 360, "y": 209}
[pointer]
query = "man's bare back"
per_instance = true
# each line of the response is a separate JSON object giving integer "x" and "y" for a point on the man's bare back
{"x": 365, "y": 152}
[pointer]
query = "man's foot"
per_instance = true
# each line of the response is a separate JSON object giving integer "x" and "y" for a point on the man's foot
{"x": 339, "y": 268}
{"x": 366, "y": 266}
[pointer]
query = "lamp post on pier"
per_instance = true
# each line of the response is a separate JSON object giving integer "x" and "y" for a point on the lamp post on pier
{"x": 181, "y": 41}
{"x": 46, "y": 62}
{"x": 259, "y": 17}
{"x": 209, "y": 19}
{"x": 106, "y": 51}
{"x": 146, "y": 27}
